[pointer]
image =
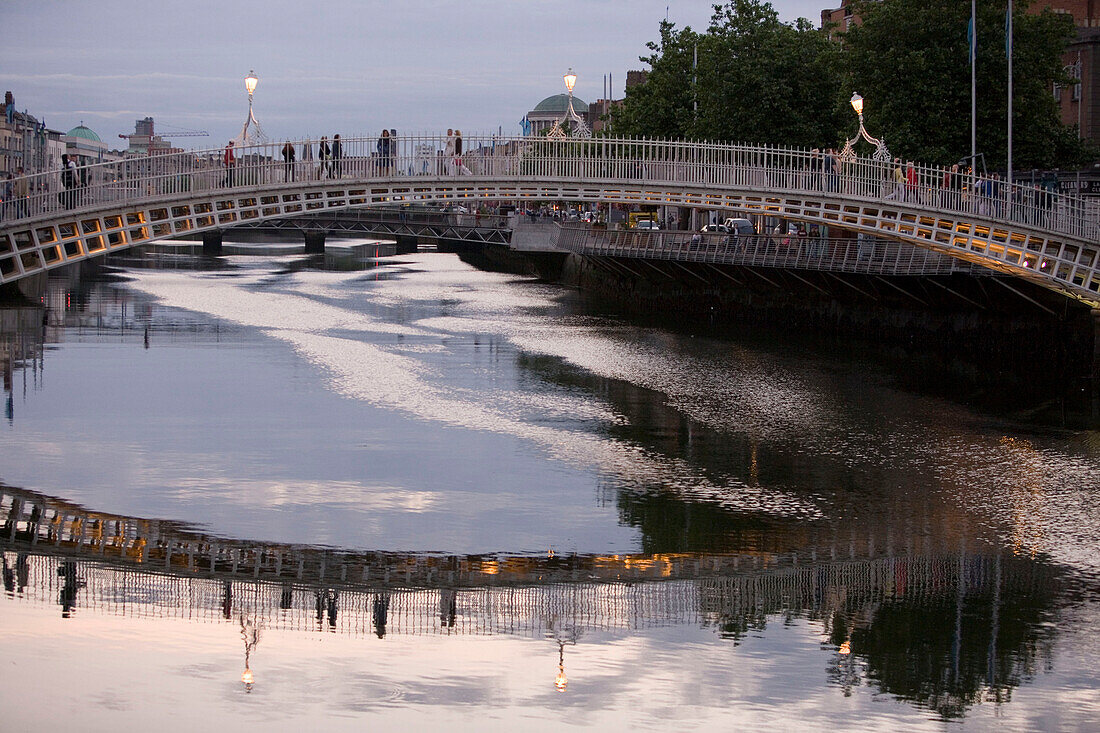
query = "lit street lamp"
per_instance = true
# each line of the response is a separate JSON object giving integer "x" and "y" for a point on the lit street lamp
{"x": 570, "y": 80}
{"x": 881, "y": 152}
{"x": 577, "y": 124}
{"x": 257, "y": 133}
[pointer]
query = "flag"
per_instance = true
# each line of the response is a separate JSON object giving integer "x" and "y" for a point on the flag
{"x": 970, "y": 39}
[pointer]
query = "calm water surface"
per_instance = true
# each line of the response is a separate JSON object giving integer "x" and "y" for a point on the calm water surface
{"x": 409, "y": 494}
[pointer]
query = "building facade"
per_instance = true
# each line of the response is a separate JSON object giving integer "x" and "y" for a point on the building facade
{"x": 144, "y": 140}
{"x": 84, "y": 145}
{"x": 556, "y": 109}
{"x": 26, "y": 142}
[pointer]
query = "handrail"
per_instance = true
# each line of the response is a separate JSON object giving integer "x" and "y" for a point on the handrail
{"x": 869, "y": 255}
{"x": 636, "y": 161}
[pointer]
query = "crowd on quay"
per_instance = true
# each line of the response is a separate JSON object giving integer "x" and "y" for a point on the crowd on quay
{"x": 954, "y": 188}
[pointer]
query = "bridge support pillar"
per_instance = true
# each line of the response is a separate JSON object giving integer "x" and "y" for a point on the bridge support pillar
{"x": 315, "y": 242}
{"x": 212, "y": 243}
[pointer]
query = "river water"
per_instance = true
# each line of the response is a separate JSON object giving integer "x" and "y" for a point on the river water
{"x": 410, "y": 494}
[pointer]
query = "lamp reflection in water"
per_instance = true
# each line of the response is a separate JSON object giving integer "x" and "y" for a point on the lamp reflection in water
{"x": 250, "y": 633}
{"x": 561, "y": 680}
{"x": 563, "y": 634}
{"x": 847, "y": 669}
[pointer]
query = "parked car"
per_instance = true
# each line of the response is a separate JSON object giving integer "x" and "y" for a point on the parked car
{"x": 715, "y": 228}
{"x": 647, "y": 225}
{"x": 740, "y": 227}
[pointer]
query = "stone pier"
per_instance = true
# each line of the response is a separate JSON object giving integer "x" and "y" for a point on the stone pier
{"x": 212, "y": 243}
{"x": 315, "y": 242}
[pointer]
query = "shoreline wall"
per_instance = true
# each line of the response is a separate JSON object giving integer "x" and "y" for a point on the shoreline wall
{"x": 1026, "y": 352}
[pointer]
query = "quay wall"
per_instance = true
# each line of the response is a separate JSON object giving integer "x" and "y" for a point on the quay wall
{"x": 1020, "y": 349}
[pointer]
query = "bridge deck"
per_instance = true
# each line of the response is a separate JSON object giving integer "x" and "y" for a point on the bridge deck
{"x": 1050, "y": 239}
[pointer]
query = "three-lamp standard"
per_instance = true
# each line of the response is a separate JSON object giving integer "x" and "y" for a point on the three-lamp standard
{"x": 881, "y": 153}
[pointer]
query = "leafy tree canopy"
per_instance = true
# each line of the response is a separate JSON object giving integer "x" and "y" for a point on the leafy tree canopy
{"x": 909, "y": 59}
{"x": 751, "y": 78}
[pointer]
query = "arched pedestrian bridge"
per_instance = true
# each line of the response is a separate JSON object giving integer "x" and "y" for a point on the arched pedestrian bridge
{"x": 1050, "y": 239}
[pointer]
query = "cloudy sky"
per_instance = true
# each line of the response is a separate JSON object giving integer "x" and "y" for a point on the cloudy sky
{"x": 349, "y": 66}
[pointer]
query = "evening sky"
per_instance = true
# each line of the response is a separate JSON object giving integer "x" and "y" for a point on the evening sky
{"x": 340, "y": 66}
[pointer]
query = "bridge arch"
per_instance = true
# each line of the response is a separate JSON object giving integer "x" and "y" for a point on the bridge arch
{"x": 1049, "y": 239}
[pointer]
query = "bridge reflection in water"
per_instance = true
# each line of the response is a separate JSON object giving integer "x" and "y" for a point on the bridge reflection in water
{"x": 943, "y": 629}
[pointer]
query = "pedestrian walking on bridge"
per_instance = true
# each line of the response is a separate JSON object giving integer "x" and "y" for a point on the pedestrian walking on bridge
{"x": 324, "y": 153}
{"x": 229, "y": 158}
{"x": 288, "y": 162}
{"x": 337, "y": 169}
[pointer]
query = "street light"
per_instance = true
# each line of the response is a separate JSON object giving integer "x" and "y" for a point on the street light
{"x": 577, "y": 124}
{"x": 881, "y": 154}
{"x": 257, "y": 134}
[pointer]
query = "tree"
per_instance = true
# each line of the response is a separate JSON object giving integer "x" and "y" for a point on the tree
{"x": 749, "y": 78}
{"x": 763, "y": 81}
{"x": 908, "y": 58}
{"x": 661, "y": 107}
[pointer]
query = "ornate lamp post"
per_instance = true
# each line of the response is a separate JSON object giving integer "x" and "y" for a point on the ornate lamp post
{"x": 577, "y": 124}
{"x": 881, "y": 154}
{"x": 257, "y": 134}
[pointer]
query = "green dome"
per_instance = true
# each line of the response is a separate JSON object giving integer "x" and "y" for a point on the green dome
{"x": 559, "y": 104}
{"x": 84, "y": 132}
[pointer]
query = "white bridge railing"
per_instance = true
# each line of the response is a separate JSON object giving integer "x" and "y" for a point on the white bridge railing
{"x": 660, "y": 163}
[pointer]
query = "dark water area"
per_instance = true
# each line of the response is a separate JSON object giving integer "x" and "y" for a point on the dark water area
{"x": 290, "y": 492}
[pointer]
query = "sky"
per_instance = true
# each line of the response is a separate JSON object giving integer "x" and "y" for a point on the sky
{"x": 347, "y": 66}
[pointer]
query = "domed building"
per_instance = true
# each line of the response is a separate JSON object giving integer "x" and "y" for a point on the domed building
{"x": 82, "y": 142}
{"x": 553, "y": 109}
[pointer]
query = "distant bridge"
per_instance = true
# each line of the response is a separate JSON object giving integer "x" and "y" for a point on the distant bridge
{"x": 1050, "y": 239}
{"x": 398, "y": 223}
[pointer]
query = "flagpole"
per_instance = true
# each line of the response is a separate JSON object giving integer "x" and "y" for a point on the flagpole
{"x": 973, "y": 81}
{"x": 1008, "y": 42}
